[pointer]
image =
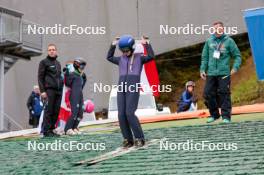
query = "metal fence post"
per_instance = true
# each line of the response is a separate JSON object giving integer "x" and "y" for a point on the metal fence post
{"x": 2, "y": 72}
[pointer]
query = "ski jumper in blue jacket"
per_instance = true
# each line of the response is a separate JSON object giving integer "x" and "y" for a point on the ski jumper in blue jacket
{"x": 127, "y": 101}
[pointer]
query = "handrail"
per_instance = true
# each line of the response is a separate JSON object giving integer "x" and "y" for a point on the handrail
{"x": 12, "y": 120}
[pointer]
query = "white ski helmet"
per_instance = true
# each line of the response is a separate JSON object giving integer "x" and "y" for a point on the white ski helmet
{"x": 189, "y": 83}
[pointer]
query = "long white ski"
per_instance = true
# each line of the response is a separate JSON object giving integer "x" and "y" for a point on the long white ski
{"x": 116, "y": 153}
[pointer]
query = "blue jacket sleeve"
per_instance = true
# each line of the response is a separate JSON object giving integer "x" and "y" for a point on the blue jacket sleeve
{"x": 184, "y": 97}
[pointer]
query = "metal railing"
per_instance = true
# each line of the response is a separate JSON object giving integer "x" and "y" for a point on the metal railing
{"x": 15, "y": 42}
{"x": 14, "y": 30}
{"x": 10, "y": 27}
{"x": 10, "y": 121}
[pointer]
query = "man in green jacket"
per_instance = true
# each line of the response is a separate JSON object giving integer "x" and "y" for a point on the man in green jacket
{"x": 215, "y": 69}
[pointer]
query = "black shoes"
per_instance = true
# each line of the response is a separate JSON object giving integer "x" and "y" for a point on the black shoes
{"x": 139, "y": 142}
{"x": 50, "y": 134}
{"x": 127, "y": 143}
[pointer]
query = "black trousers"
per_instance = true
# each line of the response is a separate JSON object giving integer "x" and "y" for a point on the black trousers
{"x": 129, "y": 124}
{"x": 74, "y": 121}
{"x": 52, "y": 110}
{"x": 217, "y": 95}
{"x": 35, "y": 121}
{"x": 76, "y": 115}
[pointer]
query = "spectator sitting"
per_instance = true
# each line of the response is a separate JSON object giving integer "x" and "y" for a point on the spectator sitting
{"x": 188, "y": 101}
{"x": 35, "y": 107}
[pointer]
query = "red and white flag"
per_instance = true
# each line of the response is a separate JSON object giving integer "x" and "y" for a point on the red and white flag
{"x": 149, "y": 74}
{"x": 64, "y": 114}
{"x": 65, "y": 109}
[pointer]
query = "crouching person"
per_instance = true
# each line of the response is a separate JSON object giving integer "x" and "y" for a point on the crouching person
{"x": 188, "y": 101}
{"x": 75, "y": 81}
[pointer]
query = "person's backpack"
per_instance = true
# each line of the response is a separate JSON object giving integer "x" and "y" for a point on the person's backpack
{"x": 37, "y": 106}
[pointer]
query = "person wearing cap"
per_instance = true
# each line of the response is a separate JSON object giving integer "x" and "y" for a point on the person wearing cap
{"x": 215, "y": 69}
{"x": 35, "y": 106}
{"x": 130, "y": 67}
{"x": 188, "y": 101}
{"x": 75, "y": 81}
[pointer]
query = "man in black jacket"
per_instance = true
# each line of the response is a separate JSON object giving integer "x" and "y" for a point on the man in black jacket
{"x": 50, "y": 84}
